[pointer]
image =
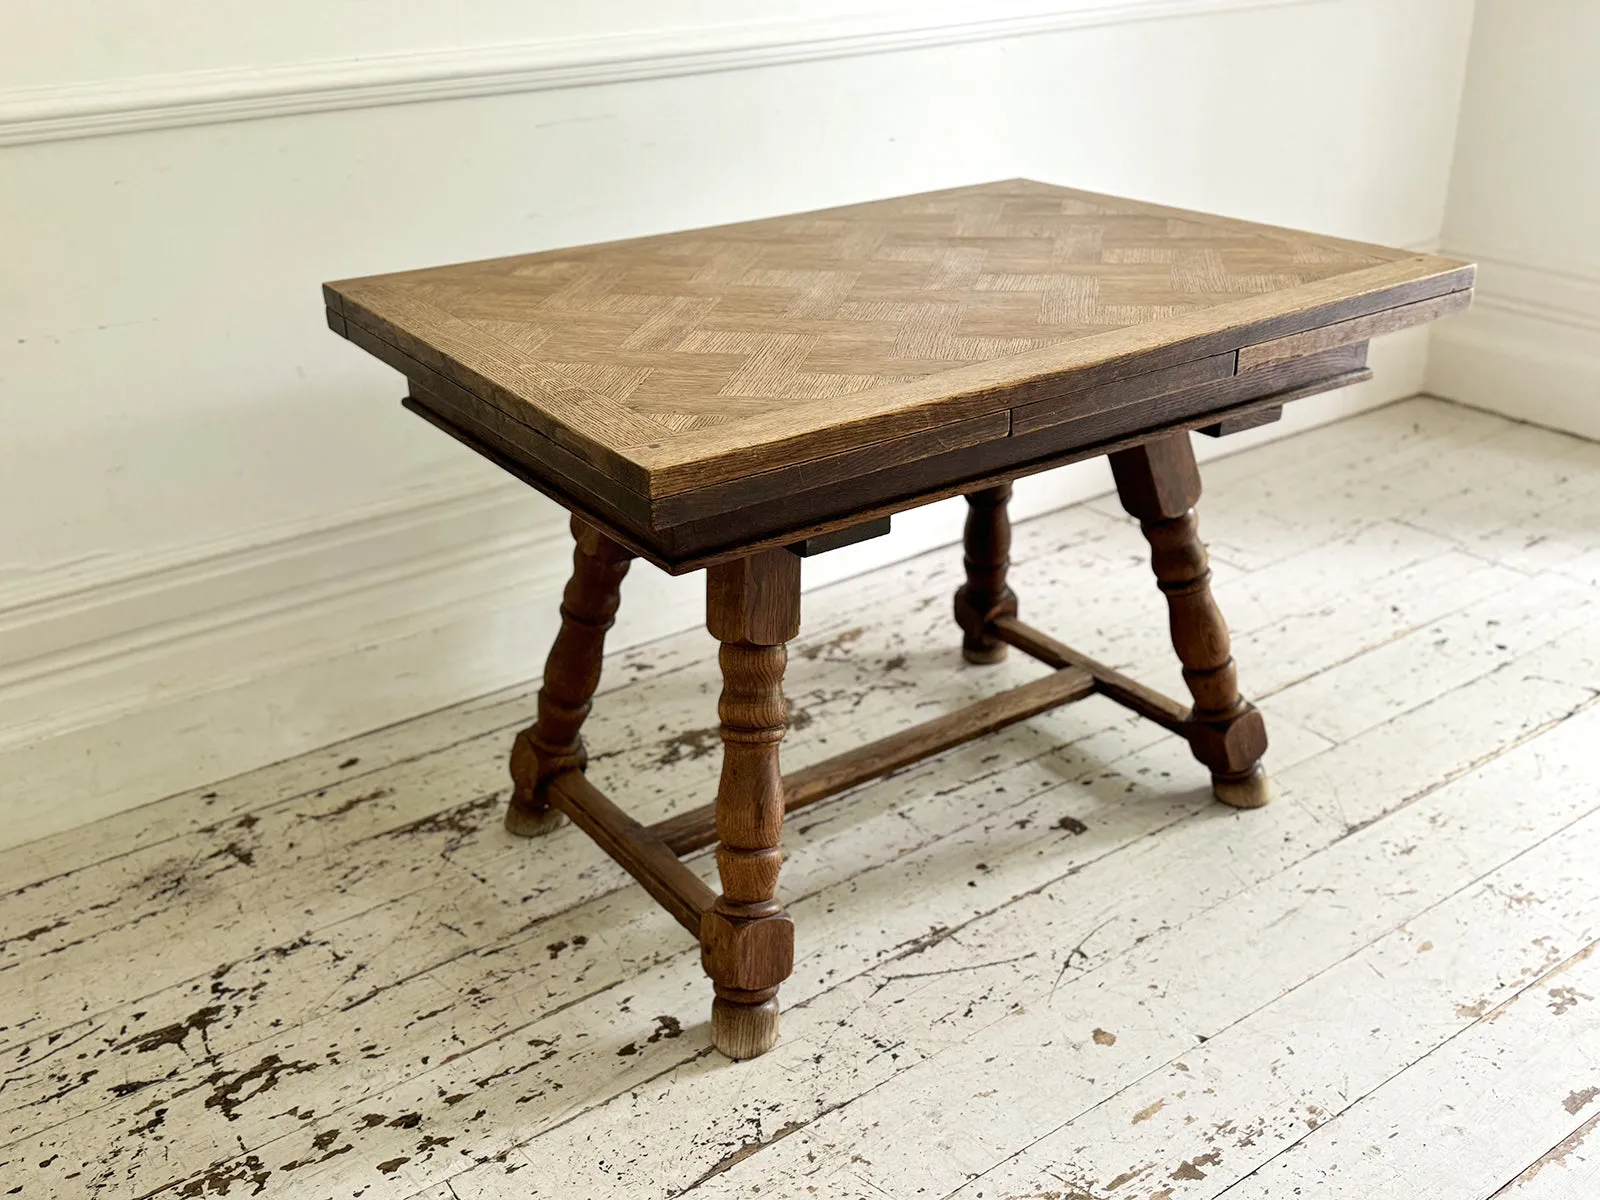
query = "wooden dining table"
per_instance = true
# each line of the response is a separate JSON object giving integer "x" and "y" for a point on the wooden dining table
{"x": 737, "y": 399}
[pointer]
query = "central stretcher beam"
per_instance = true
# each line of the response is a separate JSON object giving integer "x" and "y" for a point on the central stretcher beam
{"x": 675, "y": 887}
{"x": 697, "y": 828}
{"x": 1113, "y": 685}
{"x": 652, "y": 854}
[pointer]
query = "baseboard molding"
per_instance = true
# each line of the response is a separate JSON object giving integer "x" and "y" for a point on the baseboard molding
{"x": 81, "y": 648}
{"x": 1529, "y": 347}
{"x": 133, "y": 681}
{"x": 43, "y": 114}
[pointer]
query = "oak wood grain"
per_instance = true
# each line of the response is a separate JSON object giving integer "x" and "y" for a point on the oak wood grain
{"x": 1117, "y": 407}
{"x": 695, "y": 548}
{"x": 1159, "y": 483}
{"x": 746, "y": 937}
{"x": 674, "y": 886}
{"x": 736, "y": 448}
{"x": 680, "y": 362}
{"x": 553, "y": 744}
{"x": 1071, "y": 406}
{"x": 695, "y": 829}
{"x": 1062, "y": 442}
{"x": 986, "y": 557}
{"x": 1129, "y": 693}
{"x": 1358, "y": 329}
{"x": 851, "y": 465}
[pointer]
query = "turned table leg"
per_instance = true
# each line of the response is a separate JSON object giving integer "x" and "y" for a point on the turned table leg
{"x": 746, "y": 939}
{"x": 985, "y": 595}
{"x": 1159, "y": 483}
{"x": 572, "y": 672}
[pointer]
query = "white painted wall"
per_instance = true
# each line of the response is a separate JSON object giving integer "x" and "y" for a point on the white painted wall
{"x": 1524, "y": 200}
{"x": 224, "y": 542}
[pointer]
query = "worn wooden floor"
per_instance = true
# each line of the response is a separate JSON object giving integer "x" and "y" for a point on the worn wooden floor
{"x": 1045, "y": 965}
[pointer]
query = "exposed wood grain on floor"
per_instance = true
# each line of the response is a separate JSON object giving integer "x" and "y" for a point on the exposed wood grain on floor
{"x": 1466, "y": 1117}
{"x": 1570, "y": 1169}
{"x": 1044, "y": 964}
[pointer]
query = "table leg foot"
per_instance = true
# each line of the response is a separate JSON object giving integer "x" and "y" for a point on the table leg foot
{"x": 744, "y": 1030}
{"x": 529, "y": 814}
{"x": 1251, "y": 789}
{"x": 984, "y": 656}
{"x": 533, "y": 824}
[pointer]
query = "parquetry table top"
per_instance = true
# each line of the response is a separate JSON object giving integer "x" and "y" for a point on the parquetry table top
{"x": 681, "y": 362}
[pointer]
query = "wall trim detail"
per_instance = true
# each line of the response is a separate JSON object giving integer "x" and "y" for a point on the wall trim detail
{"x": 130, "y": 105}
{"x": 85, "y": 647}
{"x": 1529, "y": 347}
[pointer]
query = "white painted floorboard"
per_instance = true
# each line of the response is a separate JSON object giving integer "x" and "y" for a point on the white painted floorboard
{"x": 1044, "y": 965}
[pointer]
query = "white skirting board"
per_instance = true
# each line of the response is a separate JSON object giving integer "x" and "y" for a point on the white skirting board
{"x": 155, "y": 678}
{"x": 1529, "y": 347}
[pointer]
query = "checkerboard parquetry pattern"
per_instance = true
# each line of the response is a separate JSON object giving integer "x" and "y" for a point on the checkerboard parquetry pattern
{"x": 695, "y": 329}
